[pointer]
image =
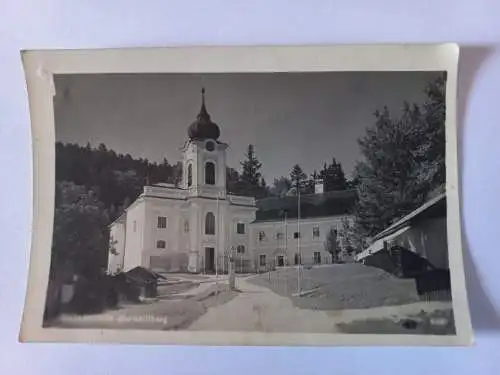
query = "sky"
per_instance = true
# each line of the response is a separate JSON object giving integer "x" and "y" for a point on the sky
{"x": 290, "y": 118}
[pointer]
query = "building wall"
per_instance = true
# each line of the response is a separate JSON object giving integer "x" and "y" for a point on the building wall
{"x": 242, "y": 215}
{"x": 226, "y": 238}
{"x": 174, "y": 256}
{"x": 184, "y": 235}
{"x": 265, "y": 241}
{"x": 117, "y": 240}
{"x": 429, "y": 240}
{"x": 134, "y": 243}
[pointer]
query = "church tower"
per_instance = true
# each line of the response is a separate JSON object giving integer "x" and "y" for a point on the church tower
{"x": 204, "y": 157}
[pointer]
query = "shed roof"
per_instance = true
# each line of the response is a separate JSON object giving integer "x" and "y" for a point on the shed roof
{"x": 142, "y": 275}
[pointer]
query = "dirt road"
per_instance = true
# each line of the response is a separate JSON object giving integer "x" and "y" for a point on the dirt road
{"x": 257, "y": 308}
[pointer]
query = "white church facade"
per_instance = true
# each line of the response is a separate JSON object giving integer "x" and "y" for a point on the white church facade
{"x": 194, "y": 226}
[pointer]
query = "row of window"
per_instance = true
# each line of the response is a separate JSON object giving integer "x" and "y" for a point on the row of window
{"x": 240, "y": 249}
{"x": 240, "y": 228}
{"x": 209, "y": 174}
{"x": 209, "y": 224}
{"x": 296, "y": 260}
{"x": 162, "y": 244}
{"x": 280, "y": 235}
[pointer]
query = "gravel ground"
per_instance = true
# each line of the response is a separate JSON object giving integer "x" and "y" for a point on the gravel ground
{"x": 436, "y": 323}
{"x": 340, "y": 286}
{"x": 162, "y": 314}
{"x": 170, "y": 291}
{"x": 184, "y": 276}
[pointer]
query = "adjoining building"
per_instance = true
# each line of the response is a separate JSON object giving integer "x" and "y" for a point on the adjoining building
{"x": 194, "y": 227}
{"x": 280, "y": 238}
{"x": 414, "y": 244}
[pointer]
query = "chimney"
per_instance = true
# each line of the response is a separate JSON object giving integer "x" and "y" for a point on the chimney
{"x": 318, "y": 186}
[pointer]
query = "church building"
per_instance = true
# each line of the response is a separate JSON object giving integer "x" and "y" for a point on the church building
{"x": 191, "y": 227}
{"x": 194, "y": 227}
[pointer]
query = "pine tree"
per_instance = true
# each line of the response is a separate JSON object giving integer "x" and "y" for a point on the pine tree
{"x": 250, "y": 177}
{"x": 297, "y": 175}
{"x": 333, "y": 176}
{"x": 264, "y": 190}
{"x": 403, "y": 162}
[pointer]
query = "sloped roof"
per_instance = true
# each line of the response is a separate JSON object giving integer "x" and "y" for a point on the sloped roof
{"x": 331, "y": 203}
{"x": 142, "y": 275}
{"x": 433, "y": 208}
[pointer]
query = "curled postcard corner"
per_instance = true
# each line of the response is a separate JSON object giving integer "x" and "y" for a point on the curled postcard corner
{"x": 49, "y": 77}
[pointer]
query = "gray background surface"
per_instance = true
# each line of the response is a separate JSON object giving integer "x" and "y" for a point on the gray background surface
{"x": 83, "y": 24}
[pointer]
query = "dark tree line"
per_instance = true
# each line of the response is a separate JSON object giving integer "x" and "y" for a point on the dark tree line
{"x": 403, "y": 163}
{"x": 249, "y": 180}
{"x": 93, "y": 187}
{"x": 332, "y": 175}
{"x": 116, "y": 179}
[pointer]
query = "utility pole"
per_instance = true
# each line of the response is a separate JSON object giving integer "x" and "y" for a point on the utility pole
{"x": 217, "y": 242}
{"x": 231, "y": 270}
{"x": 299, "y": 250}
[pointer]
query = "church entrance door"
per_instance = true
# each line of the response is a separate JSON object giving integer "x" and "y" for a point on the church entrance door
{"x": 281, "y": 260}
{"x": 209, "y": 259}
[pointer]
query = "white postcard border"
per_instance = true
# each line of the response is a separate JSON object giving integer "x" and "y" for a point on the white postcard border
{"x": 40, "y": 66}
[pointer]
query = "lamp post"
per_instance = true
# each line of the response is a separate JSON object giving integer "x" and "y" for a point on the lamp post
{"x": 231, "y": 271}
{"x": 298, "y": 240}
{"x": 217, "y": 241}
{"x": 286, "y": 252}
{"x": 299, "y": 250}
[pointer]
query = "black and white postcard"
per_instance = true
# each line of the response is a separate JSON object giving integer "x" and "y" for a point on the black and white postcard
{"x": 246, "y": 196}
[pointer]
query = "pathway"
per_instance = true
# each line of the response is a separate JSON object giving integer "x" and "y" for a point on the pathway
{"x": 259, "y": 309}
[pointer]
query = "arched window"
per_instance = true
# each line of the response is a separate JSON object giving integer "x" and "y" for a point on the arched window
{"x": 190, "y": 175}
{"x": 210, "y": 173}
{"x": 210, "y": 223}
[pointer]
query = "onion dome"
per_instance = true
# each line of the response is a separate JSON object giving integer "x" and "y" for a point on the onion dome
{"x": 203, "y": 127}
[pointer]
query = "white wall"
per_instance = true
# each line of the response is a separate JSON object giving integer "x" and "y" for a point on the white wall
{"x": 134, "y": 244}
{"x": 174, "y": 256}
{"x": 117, "y": 235}
{"x": 309, "y": 244}
{"x": 429, "y": 240}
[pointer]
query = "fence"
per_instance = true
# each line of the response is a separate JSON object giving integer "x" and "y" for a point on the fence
{"x": 241, "y": 265}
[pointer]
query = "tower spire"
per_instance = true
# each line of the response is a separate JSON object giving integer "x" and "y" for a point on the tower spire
{"x": 203, "y": 127}
{"x": 203, "y": 110}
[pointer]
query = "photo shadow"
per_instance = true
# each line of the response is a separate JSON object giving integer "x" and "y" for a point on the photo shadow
{"x": 484, "y": 315}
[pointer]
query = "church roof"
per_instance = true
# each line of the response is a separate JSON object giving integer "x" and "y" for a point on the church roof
{"x": 203, "y": 127}
{"x": 330, "y": 203}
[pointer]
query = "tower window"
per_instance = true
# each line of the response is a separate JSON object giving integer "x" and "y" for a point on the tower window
{"x": 190, "y": 175}
{"x": 240, "y": 228}
{"x": 160, "y": 244}
{"x": 210, "y": 223}
{"x": 210, "y": 173}
{"x": 162, "y": 222}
